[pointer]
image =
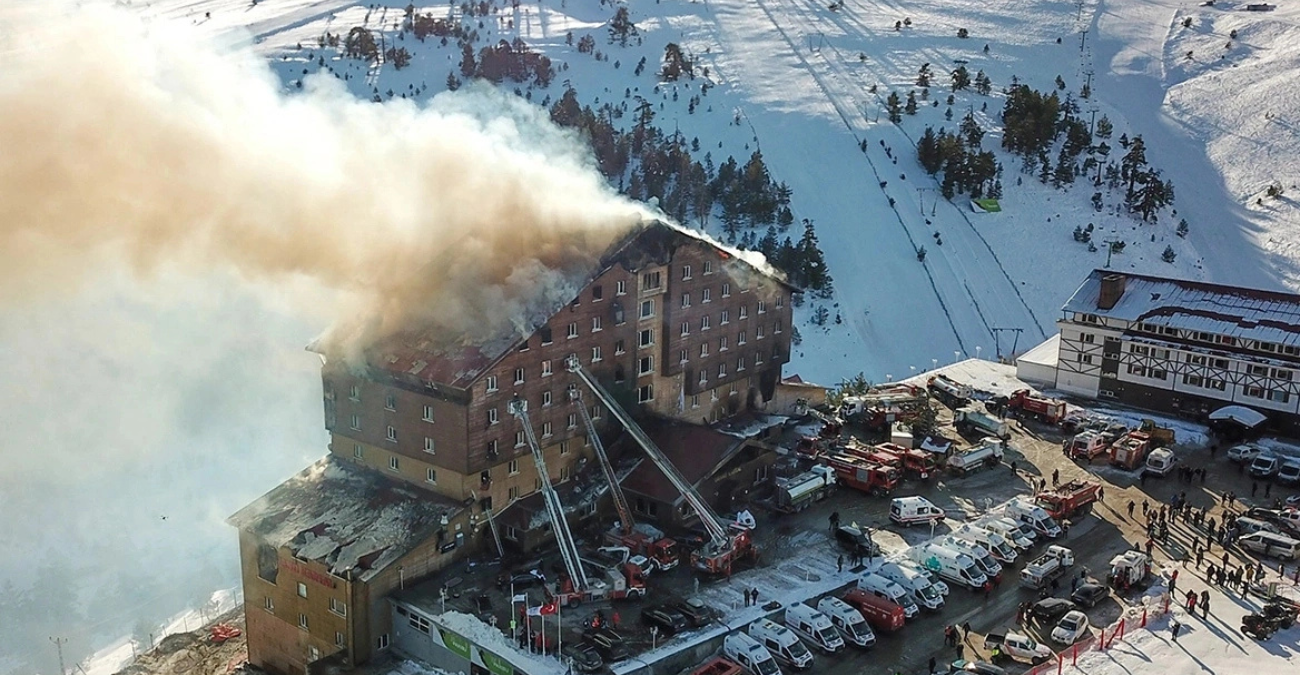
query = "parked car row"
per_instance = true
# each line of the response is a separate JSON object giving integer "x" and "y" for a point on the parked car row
{"x": 1265, "y": 464}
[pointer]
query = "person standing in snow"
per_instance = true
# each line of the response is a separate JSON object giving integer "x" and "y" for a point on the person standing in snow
{"x": 1205, "y": 604}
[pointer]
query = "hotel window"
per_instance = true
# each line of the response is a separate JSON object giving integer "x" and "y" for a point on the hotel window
{"x": 726, "y": 290}
{"x": 1278, "y": 396}
{"x": 428, "y": 445}
{"x": 513, "y": 493}
{"x": 619, "y": 348}
{"x": 725, "y": 318}
{"x": 338, "y": 607}
{"x": 682, "y": 356}
{"x": 704, "y": 350}
{"x": 762, "y": 307}
{"x": 431, "y": 475}
{"x": 391, "y": 435}
{"x": 595, "y": 354}
{"x": 695, "y": 401}
{"x": 564, "y": 447}
{"x": 428, "y": 413}
{"x": 686, "y": 328}
{"x": 354, "y": 393}
{"x": 492, "y": 452}
{"x": 740, "y": 364}
{"x": 597, "y": 293}
{"x": 355, "y": 423}
{"x": 650, "y": 281}
{"x": 1253, "y": 392}
{"x": 780, "y": 301}
{"x": 740, "y": 339}
{"x": 546, "y": 398}
{"x": 1257, "y": 370}
{"x": 722, "y": 370}
{"x": 1280, "y": 374}
{"x": 493, "y": 416}
{"x": 1140, "y": 371}
{"x": 1221, "y": 364}
{"x": 686, "y": 272}
{"x": 358, "y": 452}
{"x": 646, "y": 338}
{"x": 704, "y": 377}
{"x": 620, "y": 288}
{"x": 705, "y": 297}
{"x": 270, "y": 604}
{"x": 646, "y": 365}
{"x": 708, "y": 267}
{"x": 1160, "y": 353}
{"x": 513, "y": 467}
{"x": 546, "y": 430}
{"x": 572, "y": 330}
{"x": 758, "y": 332}
{"x": 744, "y": 312}
{"x": 776, "y": 328}
{"x": 758, "y": 359}
{"x": 571, "y": 421}
{"x": 1159, "y": 374}
{"x": 390, "y": 402}
{"x": 546, "y": 368}
{"x": 382, "y": 642}
{"x": 1193, "y": 381}
{"x": 394, "y": 463}
{"x": 722, "y": 343}
{"x": 1088, "y": 338}
{"x": 520, "y": 440}
{"x": 1219, "y": 385}
{"x": 492, "y": 383}
{"x": 686, "y": 300}
{"x": 595, "y": 324}
{"x": 1083, "y": 358}
{"x": 704, "y": 322}
{"x": 1139, "y": 349}
{"x": 647, "y": 309}
{"x": 1196, "y": 360}
{"x": 302, "y": 621}
{"x": 645, "y": 394}
{"x": 302, "y": 590}
{"x": 595, "y": 413}
{"x": 340, "y": 640}
{"x": 545, "y": 332}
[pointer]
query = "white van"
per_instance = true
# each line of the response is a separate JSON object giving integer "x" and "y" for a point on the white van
{"x": 1010, "y": 530}
{"x": 950, "y": 564}
{"x": 814, "y": 627}
{"x": 1269, "y": 544}
{"x": 782, "y": 643}
{"x": 1033, "y": 515}
{"x": 931, "y": 575}
{"x": 1265, "y": 465}
{"x": 751, "y": 656}
{"x": 915, "y": 582}
{"x": 884, "y": 588}
{"x": 991, "y": 568}
{"x": 908, "y": 511}
{"x": 1289, "y": 472}
{"x": 850, "y": 622}
{"x": 1160, "y": 462}
{"x": 997, "y": 545}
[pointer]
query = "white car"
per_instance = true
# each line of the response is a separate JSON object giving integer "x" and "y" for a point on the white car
{"x": 1070, "y": 628}
{"x": 1243, "y": 454}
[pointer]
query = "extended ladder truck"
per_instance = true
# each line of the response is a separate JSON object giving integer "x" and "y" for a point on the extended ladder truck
{"x": 727, "y": 545}
{"x": 641, "y": 539}
{"x": 620, "y": 582}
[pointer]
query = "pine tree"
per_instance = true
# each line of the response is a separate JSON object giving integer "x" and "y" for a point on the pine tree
{"x": 983, "y": 85}
{"x": 910, "y": 107}
{"x": 971, "y": 132}
{"x": 894, "y": 105}
{"x": 960, "y": 78}
{"x": 621, "y": 27}
{"x": 1133, "y": 164}
{"x": 928, "y": 153}
{"x": 923, "y": 77}
{"x": 1169, "y": 256}
{"x": 1183, "y": 228}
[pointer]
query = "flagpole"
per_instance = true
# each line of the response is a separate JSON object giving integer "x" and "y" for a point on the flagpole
{"x": 559, "y": 631}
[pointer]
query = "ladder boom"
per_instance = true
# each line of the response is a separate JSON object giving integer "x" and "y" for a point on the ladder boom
{"x": 710, "y": 520}
{"x": 615, "y": 490}
{"x": 568, "y": 549}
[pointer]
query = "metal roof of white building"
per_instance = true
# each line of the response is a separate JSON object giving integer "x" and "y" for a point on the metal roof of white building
{"x": 1243, "y": 313}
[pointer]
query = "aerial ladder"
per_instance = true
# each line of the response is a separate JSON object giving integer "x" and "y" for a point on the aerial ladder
{"x": 641, "y": 539}
{"x": 568, "y": 549}
{"x": 724, "y": 547}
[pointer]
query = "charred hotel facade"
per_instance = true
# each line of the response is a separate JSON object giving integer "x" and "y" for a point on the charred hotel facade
{"x": 426, "y": 466}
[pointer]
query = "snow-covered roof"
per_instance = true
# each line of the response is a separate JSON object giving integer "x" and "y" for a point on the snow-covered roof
{"x": 1046, "y": 353}
{"x": 345, "y": 517}
{"x": 1242, "y": 313}
{"x": 1247, "y": 417}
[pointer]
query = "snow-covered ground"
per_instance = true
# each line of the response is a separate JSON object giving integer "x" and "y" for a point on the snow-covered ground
{"x": 790, "y": 77}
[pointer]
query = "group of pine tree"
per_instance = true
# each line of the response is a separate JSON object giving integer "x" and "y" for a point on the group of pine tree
{"x": 1036, "y": 126}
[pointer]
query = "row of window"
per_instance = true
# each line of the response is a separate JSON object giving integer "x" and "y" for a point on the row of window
{"x": 706, "y": 296}
{"x": 1275, "y": 395}
{"x": 390, "y": 400}
{"x": 1217, "y": 339}
{"x": 1221, "y": 364}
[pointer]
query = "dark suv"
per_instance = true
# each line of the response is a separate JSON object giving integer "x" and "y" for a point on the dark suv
{"x": 856, "y": 540}
{"x": 610, "y": 645}
{"x": 697, "y": 613}
{"x": 670, "y": 622}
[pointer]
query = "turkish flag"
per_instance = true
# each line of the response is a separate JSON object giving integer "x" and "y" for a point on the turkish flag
{"x": 549, "y": 608}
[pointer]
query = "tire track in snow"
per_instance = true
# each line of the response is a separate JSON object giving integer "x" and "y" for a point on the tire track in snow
{"x": 874, "y": 170}
{"x": 841, "y": 21}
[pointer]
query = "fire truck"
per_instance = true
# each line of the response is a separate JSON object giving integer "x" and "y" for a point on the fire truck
{"x": 1049, "y": 410}
{"x": 950, "y": 392}
{"x": 862, "y": 474}
{"x": 1074, "y": 497}
{"x": 1130, "y": 450}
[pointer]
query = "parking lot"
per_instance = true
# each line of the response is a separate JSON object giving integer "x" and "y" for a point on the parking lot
{"x": 802, "y": 544}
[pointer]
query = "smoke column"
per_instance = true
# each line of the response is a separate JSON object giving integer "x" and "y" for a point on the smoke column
{"x": 127, "y": 139}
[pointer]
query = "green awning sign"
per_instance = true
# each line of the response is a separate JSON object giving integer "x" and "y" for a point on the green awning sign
{"x": 455, "y": 643}
{"x": 495, "y": 664}
{"x": 986, "y": 205}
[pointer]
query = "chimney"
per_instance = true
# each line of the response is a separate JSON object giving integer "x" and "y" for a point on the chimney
{"x": 1112, "y": 289}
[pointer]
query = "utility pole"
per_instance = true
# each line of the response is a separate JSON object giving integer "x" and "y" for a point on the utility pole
{"x": 58, "y": 644}
{"x": 997, "y": 342}
{"x": 1110, "y": 248}
{"x": 1083, "y": 39}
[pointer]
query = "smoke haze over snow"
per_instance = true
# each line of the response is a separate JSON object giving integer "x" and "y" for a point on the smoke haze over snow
{"x": 146, "y": 141}
{"x": 173, "y": 230}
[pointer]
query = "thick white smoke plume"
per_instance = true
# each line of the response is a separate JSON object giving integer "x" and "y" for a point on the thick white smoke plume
{"x": 143, "y": 140}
